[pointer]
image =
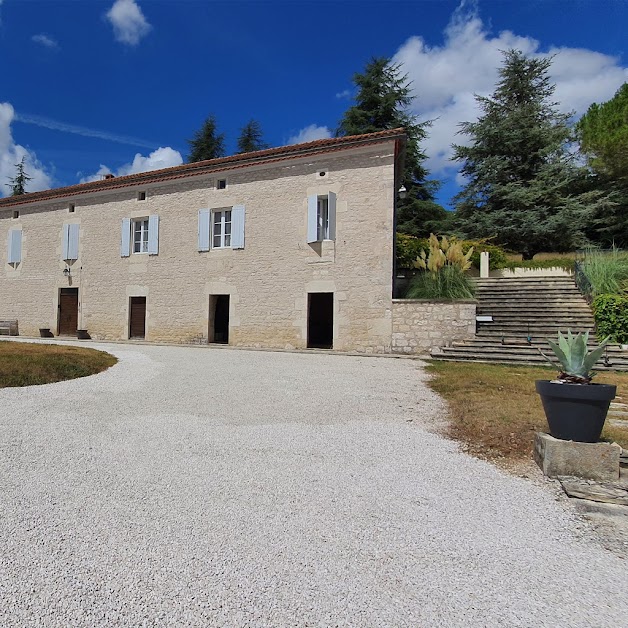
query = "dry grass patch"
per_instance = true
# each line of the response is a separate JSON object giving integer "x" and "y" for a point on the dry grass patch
{"x": 29, "y": 364}
{"x": 494, "y": 409}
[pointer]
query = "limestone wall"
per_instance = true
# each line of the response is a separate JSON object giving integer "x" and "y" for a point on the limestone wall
{"x": 420, "y": 326}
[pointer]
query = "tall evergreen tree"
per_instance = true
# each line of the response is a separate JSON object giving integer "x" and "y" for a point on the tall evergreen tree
{"x": 207, "y": 143}
{"x": 18, "y": 183}
{"x": 603, "y": 135}
{"x": 524, "y": 185}
{"x": 251, "y": 138}
{"x": 382, "y": 103}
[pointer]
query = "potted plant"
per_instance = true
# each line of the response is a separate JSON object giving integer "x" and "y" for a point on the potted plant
{"x": 575, "y": 408}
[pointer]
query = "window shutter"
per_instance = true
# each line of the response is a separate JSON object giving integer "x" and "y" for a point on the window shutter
{"x": 66, "y": 242}
{"x": 203, "y": 229}
{"x": 312, "y": 218}
{"x": 125, "y": 244}
{"x": 73, "y": 242}
{"x": 331, "y": 212}
{"x": 153, "y": 235}
{"x": 237, "y": 227}
{"x": 15, "y": 246}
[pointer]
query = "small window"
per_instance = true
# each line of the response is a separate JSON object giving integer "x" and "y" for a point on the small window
{"x": 16, "y": 214}
{"x": 221, "y": 229}
{"x": 322, "y": 218}
{"x": 141, "y": 196}
{"x": 221, "y": 184}
{"x": 140, "y": 235}
{"x": 71, "y": 208}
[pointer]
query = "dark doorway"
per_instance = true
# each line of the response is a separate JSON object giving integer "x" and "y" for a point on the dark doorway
{"x": 218, "y": 319}
{"x": 137, "y": 317}
{"x": 68, "y": 311}
{"x": 320, "y": 320}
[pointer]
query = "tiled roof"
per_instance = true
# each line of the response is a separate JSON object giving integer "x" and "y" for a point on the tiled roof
{"x": 211, "y": 165}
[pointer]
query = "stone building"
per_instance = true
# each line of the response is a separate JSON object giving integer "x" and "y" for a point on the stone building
{"x": 290, "y": 247}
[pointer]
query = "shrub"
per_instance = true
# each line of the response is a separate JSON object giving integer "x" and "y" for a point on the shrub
{"x": 611, "y": 316}
{"x": 607, "y": 271}
{"x": 559, "y": 262}
{"x": 409, "y": 248}
{"x": 445, "y": 269}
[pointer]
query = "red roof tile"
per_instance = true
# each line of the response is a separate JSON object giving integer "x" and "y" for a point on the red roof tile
{"x": 205, "y": 167}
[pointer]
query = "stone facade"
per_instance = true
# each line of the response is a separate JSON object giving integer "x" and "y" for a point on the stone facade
{"x": 420, "y": 326}
{"x": 268, "y": 281}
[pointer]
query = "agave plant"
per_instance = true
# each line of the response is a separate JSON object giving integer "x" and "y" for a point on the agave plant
{"x": 571, "y": 352}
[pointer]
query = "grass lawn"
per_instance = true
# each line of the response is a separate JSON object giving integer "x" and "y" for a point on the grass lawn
{"x": 28, "y": 364}
{"x": 495, "y": 410}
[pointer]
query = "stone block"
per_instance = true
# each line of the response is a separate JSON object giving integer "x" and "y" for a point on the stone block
{"x": 594, "y": 461}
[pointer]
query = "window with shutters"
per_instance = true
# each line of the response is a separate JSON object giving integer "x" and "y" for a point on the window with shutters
{"x": 322, "y": 218}
{"x": 140, "y": 235}
{"x": 221, "y": 229}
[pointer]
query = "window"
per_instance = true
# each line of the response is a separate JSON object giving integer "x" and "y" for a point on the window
{"x": 140, "y": 235}
{"x": 322, "y": 218}
{"x": 141, "y": 196}
{"x": 16, "y": 214}
{"x": 221, "y": 229}
{"x": 71, "y": 208}
{"x": 221, "y": 184}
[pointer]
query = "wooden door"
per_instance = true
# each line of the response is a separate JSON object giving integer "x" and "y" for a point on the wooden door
{"x": 137, "y": 321}
{"x": 68, "y": 311}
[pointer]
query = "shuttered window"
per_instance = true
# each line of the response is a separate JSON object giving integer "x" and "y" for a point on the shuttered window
{"x": 70, "y": 242}
{"x": 321, "y": 217}
{"x": 14, "y": 252}
{"x": 221, "y": 228}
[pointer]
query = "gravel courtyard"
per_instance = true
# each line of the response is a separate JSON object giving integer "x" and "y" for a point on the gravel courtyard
{"x": 208, "y": 487}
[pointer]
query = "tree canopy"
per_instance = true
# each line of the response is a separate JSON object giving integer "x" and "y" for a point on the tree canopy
{"x": 207, "y": 143}
{"x": 523, "y": 183}
{"x": 382, "y": 102}
{"x": 251, "y": 138}
{"x": 18, "y": 183}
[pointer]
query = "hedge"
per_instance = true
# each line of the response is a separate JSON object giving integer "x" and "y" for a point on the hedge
{"x": 611, "y": 317}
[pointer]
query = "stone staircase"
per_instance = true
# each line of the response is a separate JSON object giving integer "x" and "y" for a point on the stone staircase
{"x": 525, "y": 312}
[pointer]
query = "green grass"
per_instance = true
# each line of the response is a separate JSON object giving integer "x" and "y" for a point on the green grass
{"x": 449, "y": 283}
{"x": 558, "y": 262}
{"x": 495, "y": 410}
{"x": 30, "y": 364}
{"x": 607, "y": 271}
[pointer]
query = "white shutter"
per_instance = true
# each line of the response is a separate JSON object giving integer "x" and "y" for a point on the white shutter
{"x": 15, "y": 246}
{"x": 203, "y": 229}
{"x": 125, "y": 243}
{"x": 237, "y": 227}
{"x": 73, "y": 242}
{"x": 66, "y": 242}
{"x": 331, "y": 214}
{"x": 312, "y": 218}
{"x": 153, "y": 235}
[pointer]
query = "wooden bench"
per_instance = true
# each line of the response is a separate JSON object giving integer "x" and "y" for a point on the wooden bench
{"x": 8, "y": 328}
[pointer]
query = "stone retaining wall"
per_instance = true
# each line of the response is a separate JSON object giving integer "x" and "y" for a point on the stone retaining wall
{"x": 420, "y": 326}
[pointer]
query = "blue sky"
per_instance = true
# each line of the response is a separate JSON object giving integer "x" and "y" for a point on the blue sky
{"x": 92, "y": 86}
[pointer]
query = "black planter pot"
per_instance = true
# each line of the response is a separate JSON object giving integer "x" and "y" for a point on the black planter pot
{"x": 575, "y": 411}
{"x": 45, "y": 332}
{"x": 82, "y": 334}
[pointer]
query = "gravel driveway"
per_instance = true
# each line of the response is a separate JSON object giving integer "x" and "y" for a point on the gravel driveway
{"x": 200, "y": 487}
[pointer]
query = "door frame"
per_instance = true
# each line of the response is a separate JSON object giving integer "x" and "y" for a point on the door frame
{"x": 78, "y": 306}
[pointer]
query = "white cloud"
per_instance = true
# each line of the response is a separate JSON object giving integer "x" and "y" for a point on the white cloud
{"x": 128, "y": 21}
{"x": 309, "y": 134}
{"x": 45, "y": 40}
{"x": 12, "y": 153}
{"x": 446, "y": 77}
{"x": 158, "y": 159}
{"x": 344, "y": 94}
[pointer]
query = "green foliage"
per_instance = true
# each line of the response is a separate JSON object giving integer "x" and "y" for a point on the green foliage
{"x": 251, "y": 138}
{"x": 449, "y": 284}
{"x": 409, "y": 248}
{"x": 607, "y": 271}
{"x": 611, "y": 316}
{"x": 207, "y": 143}
{"x": 18, "y": 183}
{"x": 383, "y": 102}
{"x": 525, "y": 187}
{"x": 559, "y": 262}
{"x": 571, "y": 352}
{"x": 603, "y": 135}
